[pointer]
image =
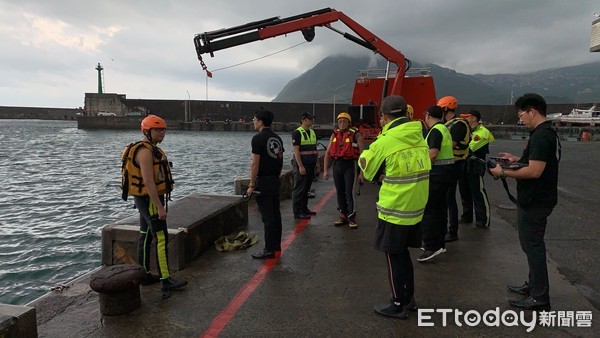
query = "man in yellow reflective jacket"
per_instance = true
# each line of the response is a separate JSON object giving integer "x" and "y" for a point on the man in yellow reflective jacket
{"x": 479, "y": 148}
{"x": 401, "y": 156}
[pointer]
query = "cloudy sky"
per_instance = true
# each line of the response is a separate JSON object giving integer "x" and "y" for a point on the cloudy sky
{"x": 50, "y": 48}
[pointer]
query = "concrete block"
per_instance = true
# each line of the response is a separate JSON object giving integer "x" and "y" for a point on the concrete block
{"x": 194, "y": 222}
{"x": 17, "y": 321}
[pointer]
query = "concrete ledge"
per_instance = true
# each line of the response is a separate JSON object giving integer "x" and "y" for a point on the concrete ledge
{"x": 195, "y": 222}
{"x": 240, "y": 184}
{"x": 17, "y": 321}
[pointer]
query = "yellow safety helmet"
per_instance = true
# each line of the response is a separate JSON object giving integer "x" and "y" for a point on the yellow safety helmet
{"x": 409, "y": 111}
{"x": 345, "y": 116}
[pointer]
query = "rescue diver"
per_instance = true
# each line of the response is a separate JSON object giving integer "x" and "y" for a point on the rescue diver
{"x": 146, "y": 175}
{"x": 345, "y": 145}
{"x": 461, "y": 136}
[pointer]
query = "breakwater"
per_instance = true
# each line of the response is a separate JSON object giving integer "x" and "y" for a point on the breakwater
{"x": 504, "y": 131}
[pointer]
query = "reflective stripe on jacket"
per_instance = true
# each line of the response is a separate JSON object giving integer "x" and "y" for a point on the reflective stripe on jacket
{"x": 445, "y": 156}
{"x": 308, "y": 141}
{"x": 461, "y": 151}
{"x": 480, "y": 137}
{"x": 405, "y": 188}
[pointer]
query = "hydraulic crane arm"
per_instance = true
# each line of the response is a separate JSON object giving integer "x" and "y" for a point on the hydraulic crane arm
{"x": 209, "y": 42}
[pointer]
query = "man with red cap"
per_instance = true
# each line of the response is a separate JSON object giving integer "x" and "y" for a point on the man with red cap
{"x": 475, "y": 169}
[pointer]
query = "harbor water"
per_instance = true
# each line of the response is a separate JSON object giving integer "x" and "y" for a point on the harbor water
{"x": 61, "y": 186}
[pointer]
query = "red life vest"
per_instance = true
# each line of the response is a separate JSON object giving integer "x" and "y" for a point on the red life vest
{"x": 343, "y": 145}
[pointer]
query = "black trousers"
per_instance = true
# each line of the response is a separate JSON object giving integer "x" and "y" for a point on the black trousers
{"x": 343, "y": 178}
{"x": 302, "y": 184}
{"x": 532, "y": 228}
{"x": 268, "y": 206}
{"x": 475, "y": 195}
{"x": 457, "y": 179}
{"x": 435, "y": 215}
{"x": 401, "y": 276}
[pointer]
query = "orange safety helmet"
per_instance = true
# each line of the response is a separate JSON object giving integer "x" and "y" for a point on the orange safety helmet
{"x": 410, "y": 111}
{"x": 153, "y": 121}
{"x": 345, "y": 116}
{"x": 449, "y": 102}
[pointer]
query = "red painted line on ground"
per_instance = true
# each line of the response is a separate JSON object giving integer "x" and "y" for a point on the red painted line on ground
{"x": 222, "y": 319}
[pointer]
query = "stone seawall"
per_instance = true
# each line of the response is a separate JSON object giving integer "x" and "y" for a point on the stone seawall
{"x": 499, "y": 131}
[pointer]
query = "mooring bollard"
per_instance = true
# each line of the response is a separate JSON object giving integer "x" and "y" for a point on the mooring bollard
{"x": 119, "y": 288}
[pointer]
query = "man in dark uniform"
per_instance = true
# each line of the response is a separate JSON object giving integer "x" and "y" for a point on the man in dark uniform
{"x": 461, "y": 136}
{"x": 537, "y": 194}
{"x": 305, "y": 163}
{"x": 435, "y": 216}
{"x": 267, "y": 160}
{"x": 479, "y": 148}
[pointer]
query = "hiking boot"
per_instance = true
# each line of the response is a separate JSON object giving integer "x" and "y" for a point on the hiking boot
{"x": 149, "y": 279}
{"x": 171, "y": 283}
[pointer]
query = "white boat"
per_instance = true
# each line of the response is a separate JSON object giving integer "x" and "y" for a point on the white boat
{"x": 582, "y": 116}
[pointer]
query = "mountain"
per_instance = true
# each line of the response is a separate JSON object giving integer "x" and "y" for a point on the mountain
{"x": 336, "y": 75}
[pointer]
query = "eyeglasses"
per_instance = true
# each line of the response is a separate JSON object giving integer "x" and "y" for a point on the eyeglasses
{"x": 522, "y": 113}
{"x": 254, "y": 119}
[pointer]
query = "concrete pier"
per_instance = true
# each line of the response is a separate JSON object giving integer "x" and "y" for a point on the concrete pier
{"x": 327, "y": 278}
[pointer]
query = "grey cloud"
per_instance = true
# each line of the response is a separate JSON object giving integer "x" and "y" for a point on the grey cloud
{"x": 471, "y": 36}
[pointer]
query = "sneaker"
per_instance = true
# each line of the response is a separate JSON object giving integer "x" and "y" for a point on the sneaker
{"x": 393, "y": 310}
{"x": 341, "y": 221}
{"x": 429, "y": 254}
{"x": 149, "y": 279}
{"x": 352, "y": 220}
{"x": 480, "y": 226}
{"x": 171, "y": 283}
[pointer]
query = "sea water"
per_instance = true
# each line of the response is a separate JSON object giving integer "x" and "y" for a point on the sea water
{"x": 61, "y": 186}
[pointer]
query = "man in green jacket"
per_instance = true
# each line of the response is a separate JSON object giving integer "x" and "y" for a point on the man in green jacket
{"x": 401, "y": 156}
